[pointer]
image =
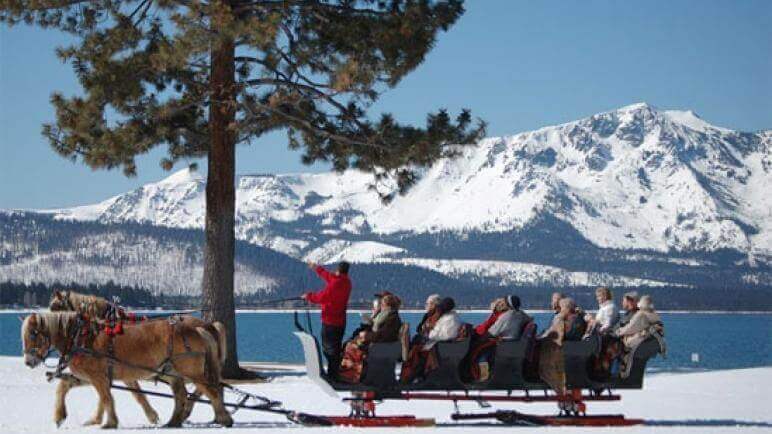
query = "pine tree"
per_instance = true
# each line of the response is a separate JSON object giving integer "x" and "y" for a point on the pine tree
{"x": 203, "y": 76}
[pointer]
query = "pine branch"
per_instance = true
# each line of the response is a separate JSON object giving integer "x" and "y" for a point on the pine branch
{"x": 318, "y": 130}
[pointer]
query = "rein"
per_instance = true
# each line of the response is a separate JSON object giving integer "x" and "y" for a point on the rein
{"x": 74, "y": 332}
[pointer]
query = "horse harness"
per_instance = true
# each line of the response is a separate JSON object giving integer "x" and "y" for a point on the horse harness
{"x": 82, "y": 332}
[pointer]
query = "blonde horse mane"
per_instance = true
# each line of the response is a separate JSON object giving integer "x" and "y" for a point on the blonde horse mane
{"x": 52, "y": 324}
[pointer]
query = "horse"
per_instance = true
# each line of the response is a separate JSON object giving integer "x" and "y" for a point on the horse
{"x": 173, "y": 351}
{"x": 71, "y": 301}
{"x": 98, "y": 307}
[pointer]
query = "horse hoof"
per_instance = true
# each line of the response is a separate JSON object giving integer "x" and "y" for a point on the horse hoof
{"x": 153, "y": 418}
{"x": 171, "y": 424}
{"x": 226, "y": 422}
{"x": 59, "y": 420}
{"x": 110, "y": 425}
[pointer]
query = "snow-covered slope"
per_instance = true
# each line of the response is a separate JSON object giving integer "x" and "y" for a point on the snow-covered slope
{"x": 634, "y": 178}
{"x": 523, "y": 273}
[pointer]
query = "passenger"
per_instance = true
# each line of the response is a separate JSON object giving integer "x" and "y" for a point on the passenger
{"x": 385, "y": 328}
{"x": 386, "y": 322}
{"x": 645, "y": 323}
{"x": 630, "y": 305}
{"x": 447, "y": 326}
{"x": 366, "y": 321}
{"x": 431, "y": 315}
{"x": 566, "y": 325}
{"x": 508, "y": 323}
{"x": 607, "y": 364}
{"x": 555, "y": 302}
{"x": 498, "y": 307}
{"x": 422, "y": 357}
{"x": 637, "y": 330}
{"x": 607, "y": 316}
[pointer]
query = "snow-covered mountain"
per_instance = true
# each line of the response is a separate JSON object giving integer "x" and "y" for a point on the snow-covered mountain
{"x": 639, "y": 198}
{"x": 635, "y": 178}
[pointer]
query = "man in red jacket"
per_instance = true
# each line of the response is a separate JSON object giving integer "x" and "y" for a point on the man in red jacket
{"x": 334, "y": 302}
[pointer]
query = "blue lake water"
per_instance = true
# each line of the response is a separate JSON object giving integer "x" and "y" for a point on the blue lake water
{"x": 722, "y": 340}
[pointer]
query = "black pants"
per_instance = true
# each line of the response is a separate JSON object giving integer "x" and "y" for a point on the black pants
{"x": 332, "y": 339}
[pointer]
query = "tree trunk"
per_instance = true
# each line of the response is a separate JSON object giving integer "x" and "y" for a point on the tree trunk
{"x": 217, "y": 291}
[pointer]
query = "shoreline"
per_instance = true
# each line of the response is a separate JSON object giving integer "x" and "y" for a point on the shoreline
{"x": 290, "y": 310}
{"x": 295, "y": 366}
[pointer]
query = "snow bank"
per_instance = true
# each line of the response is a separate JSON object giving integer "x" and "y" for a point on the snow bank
{"x": 715, "y": 402}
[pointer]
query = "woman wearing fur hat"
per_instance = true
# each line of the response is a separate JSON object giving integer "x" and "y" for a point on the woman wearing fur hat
{"x": 637, "y": 329}
{"x": 644, "y": 324}
{"x": 567, "y": 325}
{"x": 385, "y": 328}
{"x": 422, "y": 357}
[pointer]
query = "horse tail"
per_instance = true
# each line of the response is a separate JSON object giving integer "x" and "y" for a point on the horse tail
{"x": 222, "y": 340}
{"x": 212, "y": 366}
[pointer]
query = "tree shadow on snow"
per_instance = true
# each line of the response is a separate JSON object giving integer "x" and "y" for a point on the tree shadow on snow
{"x": 709, "y": 422}
{"x": 695, "y": 422}
{"x": 203, "y": 425}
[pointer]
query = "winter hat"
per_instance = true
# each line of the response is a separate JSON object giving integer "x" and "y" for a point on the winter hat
{"x": 434, "y": 299}
{"x": 567, "y": 303}
{"x": 446, "y": 304}
{"x": 513, "y": 302}
{"x": 645, "y": 303}
{"x": 632, "y": 295}
{"x": 392, "y": 301}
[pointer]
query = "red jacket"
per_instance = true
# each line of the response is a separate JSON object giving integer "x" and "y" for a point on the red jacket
{"x": 483, "y": 328}
{"x": 333, "y": 298}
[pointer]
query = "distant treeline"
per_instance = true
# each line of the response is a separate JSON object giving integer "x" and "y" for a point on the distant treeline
{"x": 38, "y": 294}
{"x": 34, "y": 295}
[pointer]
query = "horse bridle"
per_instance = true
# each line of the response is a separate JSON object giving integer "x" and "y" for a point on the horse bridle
{"x": 35, "y": 351}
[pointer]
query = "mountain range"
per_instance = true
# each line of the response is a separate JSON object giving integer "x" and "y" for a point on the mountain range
{"x": 635, "y": 197}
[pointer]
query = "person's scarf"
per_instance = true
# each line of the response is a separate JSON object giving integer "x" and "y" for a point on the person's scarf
{"x": 380, "y": 318}
{"x": 430, "y": 321}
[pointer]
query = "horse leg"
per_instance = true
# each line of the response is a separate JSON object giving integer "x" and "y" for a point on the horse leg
{"x": 106, "y": 402}
{"x": 189, "y": 403}
{"x": 150, "y": 413}
{"x": 99, "y": 413}
{"x": 60, "y": 409}
{"x": 96, "y": 419}
{"x": 221, "y": 415}
{"x": 180, "y": 396}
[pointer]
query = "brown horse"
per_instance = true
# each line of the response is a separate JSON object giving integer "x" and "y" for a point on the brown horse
{"x": 71, "y": 301}
{"x": 98, "y": 307}
{"x": 142, "y": 351}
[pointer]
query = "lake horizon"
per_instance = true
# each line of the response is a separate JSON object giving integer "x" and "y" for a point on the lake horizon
{"x": 720, "y": 340}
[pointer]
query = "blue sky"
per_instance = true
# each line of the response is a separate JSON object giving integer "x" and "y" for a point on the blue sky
{"x": 520, "y": 65}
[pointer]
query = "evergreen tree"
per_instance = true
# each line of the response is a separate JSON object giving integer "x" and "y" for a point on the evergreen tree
{"x": 200, "y": 76}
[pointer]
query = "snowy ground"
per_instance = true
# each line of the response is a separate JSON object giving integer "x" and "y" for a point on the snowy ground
{"x": 706, "y": 402}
